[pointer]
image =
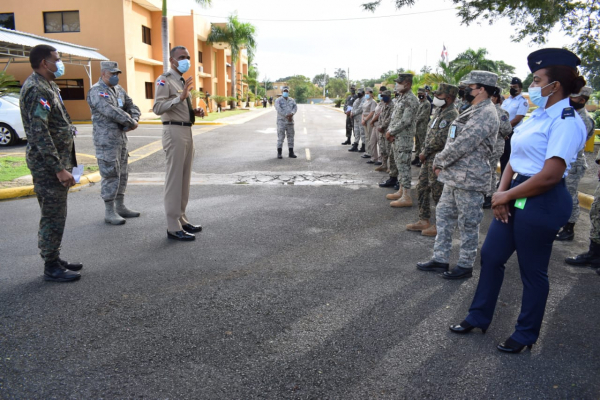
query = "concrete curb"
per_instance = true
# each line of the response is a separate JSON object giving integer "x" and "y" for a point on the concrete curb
{"x": 158, "y": 123}
{"x": 23, "y": 191}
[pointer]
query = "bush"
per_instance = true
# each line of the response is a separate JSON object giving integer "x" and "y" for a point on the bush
{"x": 338, "y": 102}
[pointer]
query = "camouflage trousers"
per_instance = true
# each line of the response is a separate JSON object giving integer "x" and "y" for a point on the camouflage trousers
{"x": 465, "y": 209}
{"x": 349, "y": 127}
{"x": 595, "y": 217}
{"x": 114, "y": 170}
{"x": 420, "y": 139}
{"x": 284, "y": 128}
{"x": 384, "y": 145}
{"x": 391, "y": 159}
{"x": 402, "y": 156}
{"x": 52, "y": 198}
{"x": 572, "y": 181}
{"x": 428, "y": 186}
{"x": 359, "y": 130}
{"x": 498, "y": 150}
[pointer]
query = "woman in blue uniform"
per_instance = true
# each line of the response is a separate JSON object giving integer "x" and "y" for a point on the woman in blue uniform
{"x": 532, "y": 202}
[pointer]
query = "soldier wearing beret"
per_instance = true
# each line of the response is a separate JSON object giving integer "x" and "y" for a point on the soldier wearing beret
{"x": 113, "y": 115}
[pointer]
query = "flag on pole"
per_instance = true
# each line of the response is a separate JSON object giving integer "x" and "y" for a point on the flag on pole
{"x": 444, "y": 54}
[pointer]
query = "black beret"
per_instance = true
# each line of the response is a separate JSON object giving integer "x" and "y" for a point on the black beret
{"x": 516, "y": 81}
{"x": 382, "y": 89}
{"x": 550, "y": 57}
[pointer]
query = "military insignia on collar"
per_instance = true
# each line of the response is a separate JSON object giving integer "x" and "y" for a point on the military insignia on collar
{"x": 443, "y": 124}
{"x": 103, "y": 94}
{"x": 504, "y": 118}
{"x": 160, "y": 82}
{"x": 568, "y": 112}
{"x": 45, "y": 104}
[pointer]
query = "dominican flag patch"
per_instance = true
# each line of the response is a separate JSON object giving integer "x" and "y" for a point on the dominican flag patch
{"x": 160, "y": 82}
{"x": 105, "y": 95}
{"x": 45, "y": 104}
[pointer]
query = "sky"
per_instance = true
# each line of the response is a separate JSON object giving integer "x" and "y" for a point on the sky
{"x": 412, "y": 38}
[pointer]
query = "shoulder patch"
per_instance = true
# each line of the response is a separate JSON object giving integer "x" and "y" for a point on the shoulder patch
{"x": 443, "y": 124}
{"x": 526, "y": 104}
{"x": 504, "y": 118}
{"x": 568, "y": 112}
{"x": 45, "y": 104}
{"x": 103, "y": 94}
{"x": 160, "y": 82}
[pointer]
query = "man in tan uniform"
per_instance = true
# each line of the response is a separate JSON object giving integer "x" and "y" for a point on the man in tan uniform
{"x": 174, "y": 105}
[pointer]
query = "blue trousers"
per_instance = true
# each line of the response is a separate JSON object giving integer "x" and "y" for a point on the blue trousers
{"x": 530, "y": 232}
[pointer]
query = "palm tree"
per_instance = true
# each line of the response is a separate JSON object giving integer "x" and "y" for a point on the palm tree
{"x": 238, "y": 35}
{"x": 165, "y": 31}
{"x": 8, "y": 84}
{"x": 474, "y": 59}
{"x": 446, "y": 73}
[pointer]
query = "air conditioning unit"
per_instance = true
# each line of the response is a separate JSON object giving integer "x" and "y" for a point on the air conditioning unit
{"x": 201, "y": 69}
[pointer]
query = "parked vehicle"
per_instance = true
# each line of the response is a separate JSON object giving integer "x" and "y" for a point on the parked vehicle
{"x": 11, "y": 125}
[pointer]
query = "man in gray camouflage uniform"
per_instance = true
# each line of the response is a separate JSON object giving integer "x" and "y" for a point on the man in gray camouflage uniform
{"x": 578, "y": 168}
{"x": 504, "y": 133}
{"x": 435, "y": 141}
{"x": 286, "y": 108}
{"x": 383, "y": 115}
{"x": 359, "y": 129}
{"x": 423, "y": 113}
{"x": 463, "y": 166}
{"x": 369, "y": 107}
{"x": 113, "y": 114}
{"x": 401, "y": 132}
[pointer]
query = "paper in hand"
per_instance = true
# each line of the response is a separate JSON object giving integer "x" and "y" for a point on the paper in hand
{"x": 77, "y": 172}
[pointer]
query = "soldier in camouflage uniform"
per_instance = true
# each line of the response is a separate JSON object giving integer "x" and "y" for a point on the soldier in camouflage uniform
{"x": 359, "y": 129}
{"x": 349, "y": 125}
{"x": 50, "y": 157}
{"x": 423, "y": 113}
{"x": 402, "y": 133}
{"x": 286, "y": 108}
{"x": 113, "y": 114}
{"x": 463, "y": 166}
{"x": 578, "y": 168}
{"x": 504, "y": 133}
{"x": 383, "y": 118}
{"x": 435, "y": 140}
{"x": 369, "y": 107}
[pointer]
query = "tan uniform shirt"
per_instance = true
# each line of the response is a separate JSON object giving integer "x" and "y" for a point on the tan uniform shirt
{"x": 168, "y": 103}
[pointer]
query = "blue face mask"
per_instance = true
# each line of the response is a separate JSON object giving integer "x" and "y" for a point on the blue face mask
{"x": 60, "y": 68}
{"x": 535, "y": 94}
{"x": 183, "y": 66}
{"x": 379, "y": 96}
{"x": 367, "y": 96}
{"x": 285, "y": 94}
{"x": 113, "y": 80}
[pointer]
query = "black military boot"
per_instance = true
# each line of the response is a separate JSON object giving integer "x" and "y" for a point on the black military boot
{"x": 55, "y": 271}
{"x": 566, "y": 234}
{"x": 292, "y": 155}
{"x": 347, "y": 142}
{"x": 591, "y": 258}
{"x": 392, "y": 180}
{"x": 279, "y": 153}
{"x": 354, "y": 147}
{"x": 415, "y": 161}
{"x": 362, "y": 148}
{"x": 487, "y": 202}
{"x": 70, "y": 266}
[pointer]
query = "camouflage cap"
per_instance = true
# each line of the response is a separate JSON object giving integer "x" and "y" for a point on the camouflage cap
{"x": 446, "y": 88}
{"x": 427, "y": 87}
{"x": 368, "y": 89}
{"x": 111, "y": 66}
{"x": 421, "y": 90}
{"x": 285, "y": 88}
{"x": 386, "y": 93}
{"x": 402, "y": 77}
{"x": 481, "y": 77}
{"x": 361, "y": 90}
{"x": 586, "y": 91}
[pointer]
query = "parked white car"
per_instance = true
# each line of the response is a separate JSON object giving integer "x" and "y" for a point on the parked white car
{"x": 11, "y": 125}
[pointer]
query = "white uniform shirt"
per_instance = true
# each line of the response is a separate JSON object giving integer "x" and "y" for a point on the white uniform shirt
{"x": 557, "y": 131}
{"x": 516, "y": 106}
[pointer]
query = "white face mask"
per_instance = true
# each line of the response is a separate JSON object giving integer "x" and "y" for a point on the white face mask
{"x": 399, "y": 87}
{"x": 438, "y": 102}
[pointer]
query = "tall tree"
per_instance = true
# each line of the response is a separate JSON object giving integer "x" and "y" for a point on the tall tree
{"x": 320, "y": 79}
{"x": 336, "y": 87}
{"x": 165, "y": 31}
{"x": 505, "y": 74}
{"x": 340, "y": 73}
{"x": 446, "y": 74}
{"x": 476, "y": 59}
{"x": 238, "y": 35}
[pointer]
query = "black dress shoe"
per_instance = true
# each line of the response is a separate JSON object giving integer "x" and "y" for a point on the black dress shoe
{"x": 458, "y": 272}
{"x": 512, "y": 346}
{"x": 389, "y": 183}
{"x": 378, "y": 163}
{"x": 433, "y": 266}
{"x": 370, "y": 162}
{"x": 464, "y": 327}
{"x": 55, "y": 272}
{"x": 71, "y": 266}
{"x": 181, "y": 235}
{"x": 192, "y": 228}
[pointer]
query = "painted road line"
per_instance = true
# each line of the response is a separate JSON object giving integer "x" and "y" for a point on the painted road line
{"x": 305, "y": 131}
{"x": 307, "y": 154}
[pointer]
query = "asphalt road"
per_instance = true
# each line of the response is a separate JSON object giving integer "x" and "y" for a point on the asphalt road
{"x": 302, "y": 285}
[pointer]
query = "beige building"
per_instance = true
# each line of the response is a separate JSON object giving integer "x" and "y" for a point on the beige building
{"x": 277, "y": 89}
{"x": 126, "y": 31}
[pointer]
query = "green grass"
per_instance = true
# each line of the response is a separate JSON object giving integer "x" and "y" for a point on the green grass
{"x": 12, "y": 168}
{"x": 215, "y": 115}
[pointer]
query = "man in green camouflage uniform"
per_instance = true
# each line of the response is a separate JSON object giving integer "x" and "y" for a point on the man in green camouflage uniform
{"x": 113, "y": 114}
{"x": 50, "y": 156}
{"x": 578, "y": 168}
{"x": 464, "y": 169}
{"x": 383, "y": 122}
{"x": 435, "y": 140}
{"x": 423, "y": 113}
{"x": 402, "y": 133}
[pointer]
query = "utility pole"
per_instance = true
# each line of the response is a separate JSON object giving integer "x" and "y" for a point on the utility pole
{"x": 324, "y": 81}
{"x": 348, "y": 81}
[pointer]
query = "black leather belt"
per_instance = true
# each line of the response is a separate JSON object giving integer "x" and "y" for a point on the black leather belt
{"x": 177, "y": 123}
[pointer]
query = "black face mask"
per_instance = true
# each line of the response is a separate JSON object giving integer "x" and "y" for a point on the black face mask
{"x": 461, "y": 93}
{"x": 468, "y": 96}
{"x": 353, "y": 92}
{"x": 396, "y": 94}
{"x": 577, "y": 106}
{"x": 513, "y": 92}
{"x": 361, "y": 94}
